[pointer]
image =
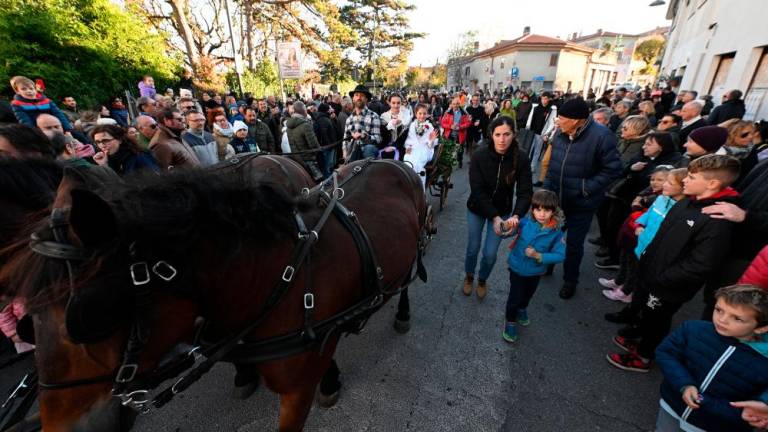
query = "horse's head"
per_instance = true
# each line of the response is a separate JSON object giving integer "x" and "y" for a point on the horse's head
{"x": 89, "y": 290}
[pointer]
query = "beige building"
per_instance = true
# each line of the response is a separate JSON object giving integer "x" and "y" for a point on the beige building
{"x": 719, "y": 45}
{"x": 538, "y": 62}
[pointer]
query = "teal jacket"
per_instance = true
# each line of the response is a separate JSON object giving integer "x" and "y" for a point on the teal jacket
{"x": 548, "y": 240}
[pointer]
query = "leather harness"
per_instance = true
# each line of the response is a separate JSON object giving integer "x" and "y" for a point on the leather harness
{"x": 133, "y": 388}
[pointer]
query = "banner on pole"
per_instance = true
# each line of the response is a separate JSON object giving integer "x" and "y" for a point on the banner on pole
{"x": 289, "y": 59}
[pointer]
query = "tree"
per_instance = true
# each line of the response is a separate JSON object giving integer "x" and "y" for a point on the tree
{"x": 91, "y": 49}
{"x": 647, "y": 51}
{"x": 463, "y": 46}
{"x": 383, "y": 40}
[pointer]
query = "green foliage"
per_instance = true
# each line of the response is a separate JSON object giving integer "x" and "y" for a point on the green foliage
{"x": 262, "y": 81}
{"x": 384, "y": 40}
{"x": 448, "y": 156}
{"x": 90, "y": 49}
{"x": 648, "y": 50}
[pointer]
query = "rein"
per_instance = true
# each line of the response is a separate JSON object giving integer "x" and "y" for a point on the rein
{"x": 133, "y": 388}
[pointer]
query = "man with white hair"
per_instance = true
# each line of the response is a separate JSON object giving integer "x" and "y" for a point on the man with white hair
{"x": 301, "y": 137}
{"x": 692, "y": 120}
{"x": 602, "y": 116}
{"x": 147, "y": 127}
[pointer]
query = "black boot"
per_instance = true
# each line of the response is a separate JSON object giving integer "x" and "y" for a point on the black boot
{"x": 567, "y": 291}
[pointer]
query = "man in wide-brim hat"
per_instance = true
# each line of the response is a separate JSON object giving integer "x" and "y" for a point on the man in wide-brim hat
{"x": 362, "y": 132}
{"x": 361, "y": 89}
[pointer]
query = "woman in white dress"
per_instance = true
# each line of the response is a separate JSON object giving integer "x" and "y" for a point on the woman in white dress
{"x": 421, "y": 142}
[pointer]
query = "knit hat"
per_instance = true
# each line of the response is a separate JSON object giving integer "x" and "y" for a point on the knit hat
{"x": 710, "y": 138}
{"x": 575, "y": 109}
{"x": 239, "y": 126}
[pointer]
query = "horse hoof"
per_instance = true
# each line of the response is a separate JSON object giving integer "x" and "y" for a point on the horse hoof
{"x": 402, "y": 327}
{"x": 246, "y": 390}
{"x": 327, "y": 401}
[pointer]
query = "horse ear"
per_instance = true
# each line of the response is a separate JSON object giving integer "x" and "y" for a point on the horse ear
{"x": 92, "y": 219}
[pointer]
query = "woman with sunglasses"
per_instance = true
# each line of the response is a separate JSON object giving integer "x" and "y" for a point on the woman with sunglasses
{"x": 120, "y": 153}
{"x": 739, "y": 144}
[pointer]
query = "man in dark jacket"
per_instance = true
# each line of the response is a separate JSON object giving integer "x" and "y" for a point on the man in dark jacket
{"x": 326, "y": 134}
{"x": 540, "y": 113}
{"x": 584, "y": 162}
{"x": 692, "y": 120}
{"x": 477, "y": 112}
{"x": 259, "y": 131}
{"x": 732, "y": 107}
{"x": 301, "y": 137}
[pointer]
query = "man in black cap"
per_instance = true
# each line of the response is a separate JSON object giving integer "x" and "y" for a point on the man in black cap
{"x": 362, "y": 132}
{"x": 583, "y": 164}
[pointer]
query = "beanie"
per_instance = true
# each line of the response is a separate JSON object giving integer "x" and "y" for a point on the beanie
{"x": 575, "y": 109}
{"x": 710, "y": 138}
{"x": 238, "y": 126}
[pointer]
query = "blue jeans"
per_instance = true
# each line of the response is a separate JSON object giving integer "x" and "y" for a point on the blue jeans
{"x": 370, "y": 150}
{"x": 475, "y": 227}
{"x": 577, "y": 226}
{"x": 329, "y": 156}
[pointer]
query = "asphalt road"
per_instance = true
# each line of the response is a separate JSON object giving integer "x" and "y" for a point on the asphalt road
{"x": 453, "y": 371}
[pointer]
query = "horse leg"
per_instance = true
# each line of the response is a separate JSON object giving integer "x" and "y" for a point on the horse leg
{"x": 330, "y": 386}
{"x": 403, "y": 316}
{"x": 246, "y": 381}
{"x": 294, "y": 408}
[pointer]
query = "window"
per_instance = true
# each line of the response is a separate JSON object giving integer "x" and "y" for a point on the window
{"x": 553, "y": 60}
{"x": 466, "y": 71}
{"x": 613, "y": 78}
{"x": 755, "y": 100}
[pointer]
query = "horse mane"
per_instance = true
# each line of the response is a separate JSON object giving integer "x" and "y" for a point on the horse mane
{"x": 180, "y": 209}
{"x": 30, "y": 183}
{"x": 174, "y": 212}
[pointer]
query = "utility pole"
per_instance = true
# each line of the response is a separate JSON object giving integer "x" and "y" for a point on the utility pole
{"x": 238, "y": 65}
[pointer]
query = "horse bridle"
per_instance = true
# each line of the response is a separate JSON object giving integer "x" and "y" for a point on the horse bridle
{"x": 133, "y": 388}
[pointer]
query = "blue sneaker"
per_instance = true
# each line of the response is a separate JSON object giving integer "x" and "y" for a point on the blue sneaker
{"x": 522, "y": 317}
{"x": 510, "y": 332}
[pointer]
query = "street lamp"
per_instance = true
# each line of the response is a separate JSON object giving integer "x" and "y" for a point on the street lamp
{"x": 657, "y": 3}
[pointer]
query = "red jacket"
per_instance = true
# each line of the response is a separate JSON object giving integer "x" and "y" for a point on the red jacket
{"x": 757, "y": 272}
{"x": 447, "y": 121}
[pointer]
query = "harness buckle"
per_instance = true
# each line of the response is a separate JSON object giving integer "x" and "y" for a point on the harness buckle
{"x": 288, "y": 273}
{"x": 305, "y": 191}
{"x": 137, "y": 399}
{"x": 127, "y": 373}
{"x": 339, "y": 193}
{"x": 142, "y": 276}
{"x": 379, "y": 273}
{"x": 160, "y": 266}
{"x": 309, "y": 301}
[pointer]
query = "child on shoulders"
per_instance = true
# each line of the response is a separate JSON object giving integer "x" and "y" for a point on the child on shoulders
{"x": 27, "y": 104}
{"x": 538, "y": 243}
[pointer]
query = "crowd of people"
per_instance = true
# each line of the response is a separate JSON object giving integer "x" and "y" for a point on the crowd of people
{"x": 677, "y": 188}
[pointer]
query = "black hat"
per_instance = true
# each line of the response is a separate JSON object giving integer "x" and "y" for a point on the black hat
{"x": 710, "y": 138}
{"x": 575, "y": 109}
{"x": 324, "y": 108}
{"x": 361, "y": 89}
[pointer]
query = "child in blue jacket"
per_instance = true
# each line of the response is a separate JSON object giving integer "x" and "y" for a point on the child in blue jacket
{"x": 27, "y": 104}
{"x": 708, "y": 365}
{"x": 538, "y": 243}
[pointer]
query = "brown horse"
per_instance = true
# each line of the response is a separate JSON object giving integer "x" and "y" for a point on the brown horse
{"x": 218, "y": 244}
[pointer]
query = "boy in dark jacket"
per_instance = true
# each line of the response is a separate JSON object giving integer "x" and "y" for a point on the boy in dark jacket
{"x": 707, "y": 365}
{"x": 682, "y": 255}
{"x": 27, "y": 104}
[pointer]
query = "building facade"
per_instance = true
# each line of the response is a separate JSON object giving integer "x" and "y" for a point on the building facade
{"x": 531, "y": 61}
{"x": 715, "y": 46}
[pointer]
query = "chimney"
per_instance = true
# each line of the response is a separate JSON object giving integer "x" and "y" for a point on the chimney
{"x": 526, "y": 30}
{"x": 477, "y": 47}
{"x": 574, "y": 35}
{"x": 600, "y": 31}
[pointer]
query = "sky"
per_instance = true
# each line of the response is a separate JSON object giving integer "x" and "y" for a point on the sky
{"x": 494, "y": 20}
